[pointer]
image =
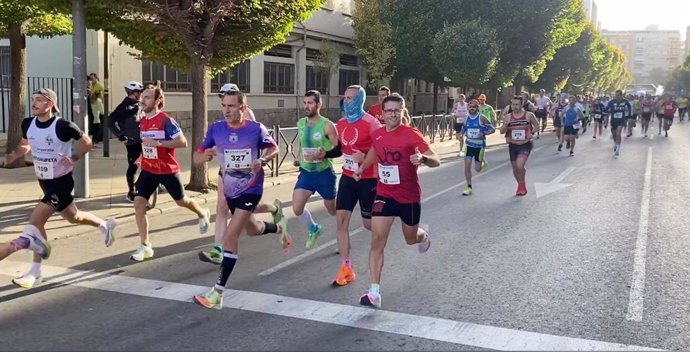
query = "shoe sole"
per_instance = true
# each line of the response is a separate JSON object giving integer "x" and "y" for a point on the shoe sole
{"x": 317, "y": 234}
{"x": 206, "y": 259}
{"x": 197, "y": 301}
{"x": 364, "y": 300}
{"x": 336, "y": 284}
{"x": 110, "y": 237}
{"x": 36, "y": 282}
{"x": 207, "y": 217}
{"x": 143, "y": 260}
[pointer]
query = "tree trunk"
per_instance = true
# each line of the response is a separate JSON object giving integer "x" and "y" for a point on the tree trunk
{"x": 435, "y": 104}
{"x": 17, "y": 91}
{"x": 198, "y": 180}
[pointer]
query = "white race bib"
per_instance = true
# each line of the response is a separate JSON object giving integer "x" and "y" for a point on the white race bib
{"x": 44, "y": 169}
{"x": 474, "y": 133}
{"x": 459, "y": 119}
{"x": 349, "y": 163}
{"x": 237, "y": 158}
{"x": 309, "y": 151}
{"x": 388, "y": 174}
{"x": 517, "y": 135}
{"x": 150, "y": 152}
{"x": 618, "y": 115}
{"x": 576, "y": 126}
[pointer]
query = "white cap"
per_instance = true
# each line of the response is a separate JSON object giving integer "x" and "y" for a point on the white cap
{"x": 134, "y": 86}
{"x": 229, "y": 87}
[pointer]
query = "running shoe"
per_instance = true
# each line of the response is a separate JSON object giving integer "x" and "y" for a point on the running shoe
{"x": 278, "y": 215}
{"x": 467, "y": 191}
{"x": 313, "y": 236}
{"x": 205, "y": 221}
{"x": 130, "y": 197}
{"x": 142, "y": 253}
{"x": 616, "y": 154}
{"x": 521, "y": 190}
{"x": 560, "y": 147}
{"x": 485, "y": 166}
{"x": 572, "y": 153}
{"x": 344, "y": 277}
{"x": 27, "y": 280}
{"x": 109, "y": 231}
{"x": 284, "y": 235}
{"x": 423, "y": 247}
{"x": 37, "y": 243}
{"x": 213, "y": 255}
{"x": 371, "y": 299}
{"x": 211, "y": 299}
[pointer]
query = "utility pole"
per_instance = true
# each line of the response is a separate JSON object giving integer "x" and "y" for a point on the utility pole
{"x": 79, "y": 108}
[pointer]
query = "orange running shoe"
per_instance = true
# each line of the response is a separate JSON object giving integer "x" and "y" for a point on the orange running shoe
{"x": 344, "y": 277}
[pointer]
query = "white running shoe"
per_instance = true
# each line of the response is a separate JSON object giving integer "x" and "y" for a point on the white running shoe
{"x": 423, "y": 247}
{"x": 109, "y": 231}
{"x": 27, "y": 280}
{"x": 37, "y": 243}
{"x": 142, "y": 253}
{"x": 205, "y": 221}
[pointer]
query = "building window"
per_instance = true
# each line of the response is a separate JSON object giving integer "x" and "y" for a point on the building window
{"x": 171, "y": 79}
{"x": 347, "y": 78}
{"x": 348, "y": 60}
{"x": 279, "y": 78}
{"x": 239, "y": 75}
{"x": 280, "y": 50}
{"x": 317, "y": 79}
{"x": 313, "y": 54}
{"x": 5, "y": 67}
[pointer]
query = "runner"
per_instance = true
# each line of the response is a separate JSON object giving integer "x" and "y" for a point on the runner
{"x": 399, "y": 150}
{"x": 49, "y": 139}
{"x": 631, "y": 121}
{"x": 124, "y": 123}
{"x": 586, "y": 112}
{"x": 160, "y": 135}
{"x": 355, "y": 138}
{"x": 599, "y": 110}
{"x": 476, "y": 130}
{"x": 375, "y": 110}
{"x": 544, "y": 105}
{"x": 572, "y": 121}
{"x": 460, "y": 113}
{"x": 682, "y": 107}
{"x": 669, "y": 107}
{"x": 214, "y": 255}
{"x": 619, "y": 108}
{"x": 486, "y": 110}
{"x": 244, "y": 147}
{"x": 557, "y": 112}
{"x": 517, "y": 128}
{"x": 317, "y": 135}
{"x": 647, "y": 107}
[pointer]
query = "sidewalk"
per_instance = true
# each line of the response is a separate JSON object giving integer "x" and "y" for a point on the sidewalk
{"x": 19, "y": 190}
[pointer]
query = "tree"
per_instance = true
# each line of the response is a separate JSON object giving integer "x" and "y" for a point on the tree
{"x": 373, "y": 42}
{"x": 19, "y": 18}
{"x": 202, "y": 37}
{"x": 680, "y": 77}
{"x": 472, "y": 44}
{"x": 328, "y": 63}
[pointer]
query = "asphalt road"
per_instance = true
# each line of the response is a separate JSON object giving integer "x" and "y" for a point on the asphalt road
{"x": 598, "y": 263}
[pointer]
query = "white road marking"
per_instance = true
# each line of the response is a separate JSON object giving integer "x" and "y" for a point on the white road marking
{"x": 542, "y": 189}
{"x": 468, "y": 334}
{"x": 330, "y": 243}
{"x": 636, "y": 303}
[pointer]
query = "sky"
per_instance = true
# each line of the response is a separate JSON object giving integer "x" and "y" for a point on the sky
{"x": 638, "y": 14}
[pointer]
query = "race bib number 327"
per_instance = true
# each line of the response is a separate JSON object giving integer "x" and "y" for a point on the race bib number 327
{"x": 237, "y": 158}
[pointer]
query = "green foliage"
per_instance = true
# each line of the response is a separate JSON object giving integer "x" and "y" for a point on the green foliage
{"x": 35, "y": 18}
{"x": 373, "y": 42}
{"x": 471, "y": 43}
{"x": 219, "y": 33}
{"x": 328, "y": 60}
{"x": 680, "y": 77}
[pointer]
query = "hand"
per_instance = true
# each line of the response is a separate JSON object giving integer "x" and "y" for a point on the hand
{"x": 65, "y": 160}
{"x": 417, "y": 157}
{"x": 150, "y": 142}
{"x": 209, "y": 154}
{"x": 357, "y": 175}
{"x": 257, "y": 165}
{"x": 123, "y": 138}
{"x": 506, "y": 118}
{"x": 10, "y": 158}
{"x": 358, "y": 156}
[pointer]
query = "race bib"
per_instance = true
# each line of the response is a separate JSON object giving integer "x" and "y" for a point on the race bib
{"x": 349, "y": 163}
{"x": 309, "y": 151}
{"x": 44, "y": 169}
{"x": 388, "y": 174}
{"x": 149, "y": 152}
{"x": 518, "y": 135}
{"x": 237, "y": 158}
{"x": 576, "y": 126}
{"x": 618, "y": 115}
{"x": 458, "y": 119}
{"x": 474, "y": 133}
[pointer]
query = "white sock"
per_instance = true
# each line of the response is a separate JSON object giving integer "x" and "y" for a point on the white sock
{"x": 306, "y": 219}
{"x": 103, "y": 227}
{"x": 35, "y": 269}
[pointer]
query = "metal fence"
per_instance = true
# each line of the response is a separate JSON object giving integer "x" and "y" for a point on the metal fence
{"x": 61, "y": 85}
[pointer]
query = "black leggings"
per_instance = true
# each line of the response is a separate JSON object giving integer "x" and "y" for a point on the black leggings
{"x": 133, "y": 153}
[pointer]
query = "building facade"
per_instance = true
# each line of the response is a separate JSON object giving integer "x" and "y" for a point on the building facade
{"x": 651, "y": 54}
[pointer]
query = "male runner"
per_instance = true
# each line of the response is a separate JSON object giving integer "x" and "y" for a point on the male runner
{"x": 572, "y": 119}
{"x": 557, "y": 112}
{"x": 49, "y": 139}
{"x": 646, "y": 108}
{"x": 160, "y": 135}
{"x": 517, "y": 128}
{"x": 599, "y": 111}
{"x": 355, "y": 132}
{"x": 375, "y": 110}
{"x": 544, "y": 105}
{"x": 124, "y": 123}
{"x": 460, "y": 113}
{"x": 619, "y": 108}
{"x": 669, "y": 107}
{"x": 244, "y": 147}
{"x": 486, "y": 110}
{"x": 476, "y": 129}
{"x": 398, "y": 150}
{"x": 682, "y": 102}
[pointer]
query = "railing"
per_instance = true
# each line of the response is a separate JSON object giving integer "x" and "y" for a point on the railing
{"x": 62, "y": 87}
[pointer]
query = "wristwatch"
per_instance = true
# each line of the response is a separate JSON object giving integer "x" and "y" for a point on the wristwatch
{"x": 424, "y": 159}
{"x": 263, "y": 161}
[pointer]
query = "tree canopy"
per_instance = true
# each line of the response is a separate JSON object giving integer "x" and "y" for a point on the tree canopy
{"x": 373, "y": 42}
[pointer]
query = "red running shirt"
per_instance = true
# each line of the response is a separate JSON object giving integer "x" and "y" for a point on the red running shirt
{"x": 356, "y": 136}
{"x": 397, "y": 175}
{"x": 670, "y": 107}
{"x": 376, "y": 111}
{"x": 159, "y": 160}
